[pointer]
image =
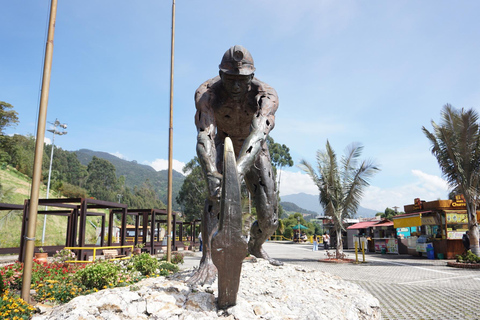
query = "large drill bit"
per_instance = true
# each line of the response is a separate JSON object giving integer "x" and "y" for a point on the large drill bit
{"x": 229, "y": 248}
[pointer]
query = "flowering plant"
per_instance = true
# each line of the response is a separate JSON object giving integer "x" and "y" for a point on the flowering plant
{"x": 63, "y": 255}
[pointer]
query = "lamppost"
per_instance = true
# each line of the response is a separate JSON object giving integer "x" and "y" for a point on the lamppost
{"x": 60, "y": 133}
{"x": 298, "y": 226}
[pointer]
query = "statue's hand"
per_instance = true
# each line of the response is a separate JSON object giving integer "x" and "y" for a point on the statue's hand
{"x": 214, "y": 185}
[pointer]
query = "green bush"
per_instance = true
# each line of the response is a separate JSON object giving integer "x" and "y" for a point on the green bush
{"x": 145, "y": 263}
{"x": 57, "y": 291}
{"x": 167, "y": 268}
{"x": 177, "y": 258}
{"x": 2, "y": 285}
{"x": 13, "y": 307}
{"x": 99, "y": 275}
{"x": 468, "y": 257}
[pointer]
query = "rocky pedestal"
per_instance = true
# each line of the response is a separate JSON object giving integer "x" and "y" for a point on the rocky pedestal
{"x": 266, "y": 292}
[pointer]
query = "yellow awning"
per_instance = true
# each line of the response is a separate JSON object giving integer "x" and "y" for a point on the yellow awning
{"x": 404, "y": 222}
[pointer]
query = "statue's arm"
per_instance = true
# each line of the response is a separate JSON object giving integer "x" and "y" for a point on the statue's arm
{"x": 263, "y": 122}
{"x": 206, "y": 151}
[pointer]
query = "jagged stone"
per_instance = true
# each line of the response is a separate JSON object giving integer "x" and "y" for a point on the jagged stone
{"x": 265, "y": 292}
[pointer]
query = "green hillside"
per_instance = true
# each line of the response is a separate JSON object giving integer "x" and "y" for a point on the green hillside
{"x": 136, "y": 174}
{"x": 16, "y": 187}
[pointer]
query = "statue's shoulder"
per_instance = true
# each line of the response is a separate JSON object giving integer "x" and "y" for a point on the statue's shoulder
{"x": 207, "y": 90}
{"x": 263, "y": 88}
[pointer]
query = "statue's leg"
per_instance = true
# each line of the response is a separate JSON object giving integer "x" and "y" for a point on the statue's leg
{"x": 261, "y": 184}
{"x": 207, "y": 271}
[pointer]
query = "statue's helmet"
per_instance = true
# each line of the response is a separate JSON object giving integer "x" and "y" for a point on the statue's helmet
{"x": 237, "y": 61}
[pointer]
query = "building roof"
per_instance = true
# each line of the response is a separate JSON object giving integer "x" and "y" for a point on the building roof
{"x": 363, "y": 224}
{"x": 385, "y": 223}
{"x": 411, "y": 214}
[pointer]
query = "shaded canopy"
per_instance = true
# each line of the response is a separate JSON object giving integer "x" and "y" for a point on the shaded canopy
{"x": 301, "y": 227}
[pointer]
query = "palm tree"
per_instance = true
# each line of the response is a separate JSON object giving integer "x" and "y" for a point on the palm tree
{"x": 341, "y": 186}
{"x": 456, "y": 145}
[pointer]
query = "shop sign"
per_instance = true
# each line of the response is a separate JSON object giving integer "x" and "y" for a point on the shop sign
{"x": 429, "y": 221}
{"x": 421, "y": 247}
{"x": 456, "y": 218}
{"x": 392, "y": 245}
{"x": 455, "y": 235}
{"x": 412, "y": 242}
{"x": 459, "y": 201}
{"x": 417, "y": 204}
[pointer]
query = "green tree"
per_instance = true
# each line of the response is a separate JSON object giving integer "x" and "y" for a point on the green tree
{"x": 66, "y": 166}
{"x": 21, "y": 150}
{"x": 456, "y": 145}
{"x": 388, "y": 213}
{"x": 280, "y": 157}
{"x": 8, "y": 116}
{"x": 102, "y": 181}
{"x": 341, "y": 185}
{"x": 194, "y": 191}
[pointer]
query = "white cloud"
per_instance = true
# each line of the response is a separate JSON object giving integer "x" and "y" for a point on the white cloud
{"x": 118, "y": 155}
{"x": 47, "y": 140}
{"x": 162, "y": 164}
{"x": 296, "y": 182}
{"x": 425, "y": 186}
{"x": 431, "y": 182}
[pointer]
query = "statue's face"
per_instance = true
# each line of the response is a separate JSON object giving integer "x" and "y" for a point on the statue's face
{"x": 236, "y": 86}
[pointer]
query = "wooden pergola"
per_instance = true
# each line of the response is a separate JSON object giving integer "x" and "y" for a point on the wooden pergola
{"x": 152, "y": 218}
{"x": 77, "y": 210}
{"x": 9, "y": 207}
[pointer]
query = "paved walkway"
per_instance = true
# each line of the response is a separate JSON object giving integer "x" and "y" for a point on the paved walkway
{"x": 407, "y": 287}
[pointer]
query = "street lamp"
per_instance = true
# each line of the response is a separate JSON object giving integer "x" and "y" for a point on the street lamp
{"x": 60, "y": 133}
{"x": 298, "y": 225}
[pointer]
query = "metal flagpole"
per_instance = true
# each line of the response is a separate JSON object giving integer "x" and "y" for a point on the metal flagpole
{"x": 37, "y": 164}
{"x": 170, "y": 144}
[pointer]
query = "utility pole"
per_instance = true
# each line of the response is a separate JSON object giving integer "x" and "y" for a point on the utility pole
{"x": 60, "y": 133}
{"x": 170, "y": 144}
{"x": 37, "y": 162}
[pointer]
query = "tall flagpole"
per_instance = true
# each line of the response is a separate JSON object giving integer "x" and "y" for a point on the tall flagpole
{"x": 170, "y": 143}
{"x": 37, "y": 163}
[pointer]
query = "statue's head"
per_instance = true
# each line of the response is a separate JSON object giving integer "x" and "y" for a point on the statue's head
{"x": 237, "y": 71}
{"x": 237, "y": 61}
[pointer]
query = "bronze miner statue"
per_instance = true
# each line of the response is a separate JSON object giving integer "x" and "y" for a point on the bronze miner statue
{"x": 236, "y": 105}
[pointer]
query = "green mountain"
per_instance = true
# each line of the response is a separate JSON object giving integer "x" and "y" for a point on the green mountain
{"x": 310, "y": 202}
{"x": 291, "y": 207}
{"x": 136, "y": 174}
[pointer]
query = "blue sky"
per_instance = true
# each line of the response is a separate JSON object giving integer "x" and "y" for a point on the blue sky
{"x": 372, "y": 72}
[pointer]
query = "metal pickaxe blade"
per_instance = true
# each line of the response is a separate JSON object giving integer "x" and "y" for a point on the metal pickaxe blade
{"x": 229, "y": 248}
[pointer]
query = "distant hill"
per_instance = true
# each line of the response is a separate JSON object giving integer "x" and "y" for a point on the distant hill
{"x": 291, "y": 207}
{"x": 310, "y": 203}
{"x": 136, "y": 174}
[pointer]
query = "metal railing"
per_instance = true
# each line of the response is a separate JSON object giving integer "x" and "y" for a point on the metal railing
{"x": 95, "y": 253}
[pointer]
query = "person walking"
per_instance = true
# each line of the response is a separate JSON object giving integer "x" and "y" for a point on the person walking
{"x": 326, "y": 240}
{"x": 315, "y": 243}
{"x": 466, "y": 241}
{"x": 201, "y": 242}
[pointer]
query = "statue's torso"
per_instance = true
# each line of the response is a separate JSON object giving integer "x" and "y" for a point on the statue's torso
{"x": 232, "y": 118}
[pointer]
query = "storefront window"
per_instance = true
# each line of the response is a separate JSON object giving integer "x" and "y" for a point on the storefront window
{"x": 457, "y": 224}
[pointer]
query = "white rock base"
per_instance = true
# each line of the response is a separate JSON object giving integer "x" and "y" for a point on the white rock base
{"x": 266, "y": 292}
